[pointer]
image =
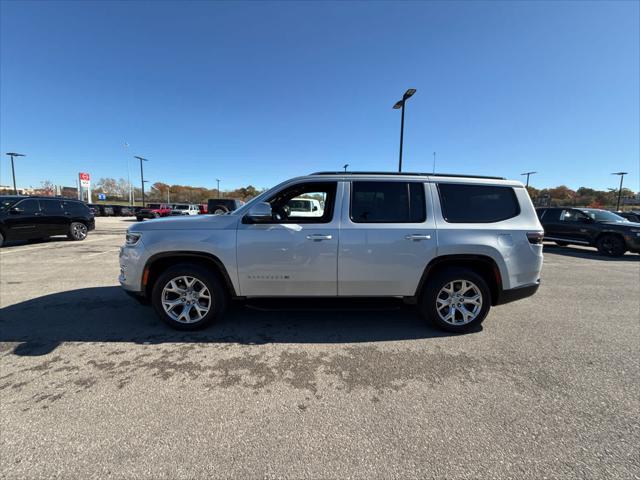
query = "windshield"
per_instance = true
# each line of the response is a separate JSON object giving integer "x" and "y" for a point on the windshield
{"x": 6, "y": 202}
{"x": 604, "y": 216}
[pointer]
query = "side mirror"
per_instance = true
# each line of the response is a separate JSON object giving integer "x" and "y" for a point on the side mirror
{"x": 260, "y": 212}
{"x": 16, "y": 210}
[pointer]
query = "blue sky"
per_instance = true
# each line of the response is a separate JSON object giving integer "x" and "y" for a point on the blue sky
{"x": 257, "y": 92}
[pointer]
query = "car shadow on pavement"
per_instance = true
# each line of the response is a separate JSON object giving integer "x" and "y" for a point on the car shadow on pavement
{"x": 107, "y": 314}
{"x": 591, "y": 254}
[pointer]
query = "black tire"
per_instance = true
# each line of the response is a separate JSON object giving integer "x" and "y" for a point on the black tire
{"x": 611, "y": 245}
{"x": 218, "y": 297}
{"x": 434, "y": 287}
{"x": 562, "y": 244}
{"x": 220, "y": 209}
{"x": 139, "y": 219}
{"x": 77, "y": 231}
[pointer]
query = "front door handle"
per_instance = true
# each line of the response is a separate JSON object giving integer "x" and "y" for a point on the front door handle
{"x": 417, "y": 237}
{"x": 318, "y": 237}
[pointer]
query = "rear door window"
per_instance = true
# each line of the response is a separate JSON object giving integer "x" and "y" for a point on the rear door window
{"x": 465, "y": 203}
{"x": 387, "y": 202}
{"x": 51, "y": 207}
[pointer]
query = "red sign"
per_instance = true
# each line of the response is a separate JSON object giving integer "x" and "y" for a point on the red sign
{"x": 84, "y": 176}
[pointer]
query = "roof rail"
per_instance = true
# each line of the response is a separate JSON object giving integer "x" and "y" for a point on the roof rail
{"x": 420, "y": 174}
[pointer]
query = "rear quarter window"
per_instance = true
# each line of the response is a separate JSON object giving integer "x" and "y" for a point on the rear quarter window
{"x": 464, "y": 203}
{"x": 76, "y": 208}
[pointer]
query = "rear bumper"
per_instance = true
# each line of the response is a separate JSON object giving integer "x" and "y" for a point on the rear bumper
{"x": 513, "y": 294}
{"x": 632, "y": 242}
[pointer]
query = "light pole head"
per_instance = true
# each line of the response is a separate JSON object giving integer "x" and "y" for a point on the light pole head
{"x": 398, "y": 105}
{"x": 142, "y": 159}
{"x": 615, "y": 173}
{"x": 409, "y": 93}
{"x": 13, "y": 154}
{"x": 528, "y": 173}
{"x": 345, "y": 166}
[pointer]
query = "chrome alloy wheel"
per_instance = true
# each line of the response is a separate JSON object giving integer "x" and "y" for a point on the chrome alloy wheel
{"x": 186, "y": 299}
{"x": 79, "y": 231}
{"x": 459, "y": 302}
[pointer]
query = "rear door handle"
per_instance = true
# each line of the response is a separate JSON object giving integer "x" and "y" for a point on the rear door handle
{"x": 318, "y": 237}
{"x": 417, "y": 237}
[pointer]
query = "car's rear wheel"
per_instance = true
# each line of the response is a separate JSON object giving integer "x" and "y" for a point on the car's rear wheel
{"x": 456, "y": 300}
{"x": 188, "y": 297}
{"x": 77, "y": 231}
{"x": 562, "y": 244}
{"x": 156, "y": 215}
{"x": 611, "y": 245}
{"x": 220, "y": 209}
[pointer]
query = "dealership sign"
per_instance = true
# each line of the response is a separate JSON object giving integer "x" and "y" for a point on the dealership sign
{"x": 85, "y": 180}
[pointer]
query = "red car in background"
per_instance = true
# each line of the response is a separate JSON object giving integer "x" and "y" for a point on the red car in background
{"x": 154, "y": 210}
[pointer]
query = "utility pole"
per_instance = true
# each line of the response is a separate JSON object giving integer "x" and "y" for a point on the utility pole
{"x": 142, "y": 159}
{"x": 13, "y": 171}
{"x": 434, "y": 163}
{"x": 345, "y": 166}
{"x": 218, "y": 180}
{"x": 400, "y": 104}
{"x": 622, "y": 174}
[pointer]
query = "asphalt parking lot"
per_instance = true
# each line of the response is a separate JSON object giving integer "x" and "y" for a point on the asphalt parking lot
{"x": 93, "y": 385}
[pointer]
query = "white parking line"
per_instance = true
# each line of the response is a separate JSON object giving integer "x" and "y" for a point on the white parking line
{"x": 50, "y": 246}
{"x": 101, "y": 253}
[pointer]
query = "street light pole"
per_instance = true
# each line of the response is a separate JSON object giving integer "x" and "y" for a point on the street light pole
{"x": 400, "y": 104}
{"x": 142, "y": 159}
{"x": 345, "y": 166}
{"x": 218, "y": 180}
{"x": 528, "y": 174}
{"x": 13, "y": 171}
{"x": 622, "y": 174}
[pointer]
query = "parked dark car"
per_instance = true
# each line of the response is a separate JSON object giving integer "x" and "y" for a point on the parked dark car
{"x": 631, "y": 216}
{"x": 94, "y": 208}
{"x": 611, "y": 234}
{"x": 220, "y": 206}
{"x": 122, "y": 210}
{"x": 30, "y": 218}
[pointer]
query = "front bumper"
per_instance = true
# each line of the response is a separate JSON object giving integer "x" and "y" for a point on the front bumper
{"x": 513, "y": 294}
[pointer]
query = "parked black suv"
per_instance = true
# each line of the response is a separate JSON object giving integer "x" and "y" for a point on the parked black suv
{"x": 611, "y": 234}
{"x": 29, "y": 218}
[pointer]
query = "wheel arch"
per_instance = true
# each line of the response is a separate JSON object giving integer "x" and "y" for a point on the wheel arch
{"x": 158, "y": 263}
{"x": 483, "y": 265}
{"x": 607, "y": 232}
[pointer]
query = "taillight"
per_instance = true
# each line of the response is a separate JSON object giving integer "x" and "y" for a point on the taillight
{"x": 535, "y": 238}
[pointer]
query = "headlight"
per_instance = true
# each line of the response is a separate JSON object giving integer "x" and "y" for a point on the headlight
{"x": 132, "y": 238}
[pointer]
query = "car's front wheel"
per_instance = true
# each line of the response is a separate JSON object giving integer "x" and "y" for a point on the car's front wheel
{"x": 77, "y": 231}
{"x": 611, "y": 245}
{"x": 456, "y": 300}
{"x": 188, "y": 297}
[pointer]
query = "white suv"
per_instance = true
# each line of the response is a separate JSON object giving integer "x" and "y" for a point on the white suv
{"x": 455, "y": 245}
{"x": 185, "y": 209}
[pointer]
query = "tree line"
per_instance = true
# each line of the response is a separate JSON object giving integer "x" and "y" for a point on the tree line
{"x": 118, "y": 190}
{"x": 582, "y": 197}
